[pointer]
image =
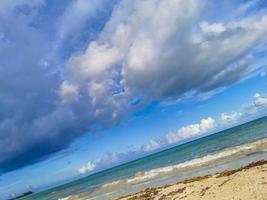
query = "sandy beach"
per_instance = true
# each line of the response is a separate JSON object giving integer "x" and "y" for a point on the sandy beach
{"x": 245, "y": 183}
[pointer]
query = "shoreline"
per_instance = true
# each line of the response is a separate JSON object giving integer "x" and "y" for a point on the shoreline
{"x": 248, "y": 182}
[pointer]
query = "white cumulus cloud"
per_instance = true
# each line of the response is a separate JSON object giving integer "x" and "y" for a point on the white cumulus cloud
{"x": 230, "y": 117}
{"x": 88, "y": 167}
{"x": 258, "y": 104}
{"x": 215, "y": 28}
{"x": 152, "y": 145}
{"x": 191, "y": 130}
{"x": 154, "y": 57}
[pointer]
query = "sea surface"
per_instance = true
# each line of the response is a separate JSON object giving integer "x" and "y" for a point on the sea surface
{"x": 227, "y": 149}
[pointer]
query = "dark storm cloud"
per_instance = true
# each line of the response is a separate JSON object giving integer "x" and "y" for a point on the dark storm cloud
{"x": 33, "y": 122}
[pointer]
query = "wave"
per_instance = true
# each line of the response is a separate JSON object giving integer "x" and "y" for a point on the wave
{"x": 65, "y": 198}
{"x": 223, "y": 155}
{"x": 114, "y": 183}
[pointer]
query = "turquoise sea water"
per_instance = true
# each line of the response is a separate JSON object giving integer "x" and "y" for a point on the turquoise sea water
{"x": 226, "y": 149}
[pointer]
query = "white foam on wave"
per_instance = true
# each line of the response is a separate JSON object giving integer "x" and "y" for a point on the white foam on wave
{"x": 65, "y": 198}
{"x": 228, "y": 153}
{"x": 119, "y": 182}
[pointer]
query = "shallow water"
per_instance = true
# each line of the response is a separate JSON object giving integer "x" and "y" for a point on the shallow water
{"x": 227, "y": 149}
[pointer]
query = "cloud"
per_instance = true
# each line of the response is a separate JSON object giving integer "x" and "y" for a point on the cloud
{"x": 110, "y": 159}
{"x": 263, "y": 74}
{"x": 230, "y": 117}
{"x": 249, "y": 4}
{"x": 260, "y": 100}
{"x": 26, "y": 86}
{"x": 78, "y": 15}
{"x": 154, "y": 58}
{"x": 132, "y": 58}
{"x": 36, "y": 118}
{"x": 205, "y": 126}
{"x": 68, "y": 92}
{"x": 215, "y": 28}
{"x": 152, "y": 145}
{"x": 258, "y": 105}
{"x": 160, "y": 57}
{"x": 191, "y": 131}
{"x": 22, "y": 5}
{"x": 182, "y": 134}
{"x": 89, "y": 167}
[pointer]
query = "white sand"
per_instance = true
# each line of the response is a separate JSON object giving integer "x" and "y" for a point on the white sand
{"x": 249, "y": 183}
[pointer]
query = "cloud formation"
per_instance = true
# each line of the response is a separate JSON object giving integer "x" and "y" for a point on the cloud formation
{"x": 128, "y": 61}
{"x": 191, "y": 131}
{"x": 90, "y": 166}
{"x": 151, "y": 146}
{"x": 230, "y": 117}
{"x": 205, "y": 126}
{"x": 258, "y": 105}
{"x": 34, "y": 121}
{"x": 155, "y": 57}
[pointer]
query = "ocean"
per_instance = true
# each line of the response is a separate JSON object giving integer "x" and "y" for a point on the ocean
{"x": 227, "y": 149}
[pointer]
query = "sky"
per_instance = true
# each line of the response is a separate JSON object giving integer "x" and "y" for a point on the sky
{"x": 89, "y": 84}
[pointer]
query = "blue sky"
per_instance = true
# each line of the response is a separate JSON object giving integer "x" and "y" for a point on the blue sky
{"x": 86, "y": 85}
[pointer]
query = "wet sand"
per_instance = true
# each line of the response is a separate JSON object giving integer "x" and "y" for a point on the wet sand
{"x": 245, "y": 183}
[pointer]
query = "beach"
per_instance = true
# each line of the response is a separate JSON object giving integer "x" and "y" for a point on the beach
{"x": 246, "y": 183}
{"x": 162, "y": 175}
